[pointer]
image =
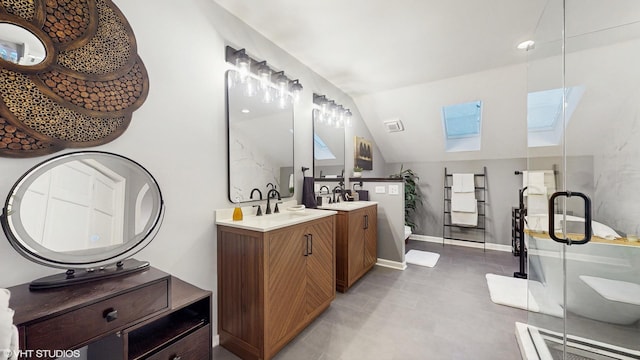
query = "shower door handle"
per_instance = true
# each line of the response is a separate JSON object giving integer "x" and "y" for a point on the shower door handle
{"x": 587, "y": 217}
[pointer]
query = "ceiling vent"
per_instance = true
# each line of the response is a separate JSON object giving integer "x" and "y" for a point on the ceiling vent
{"x": 394, "y": 125}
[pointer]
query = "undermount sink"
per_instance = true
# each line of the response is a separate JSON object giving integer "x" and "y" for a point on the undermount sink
{"x": 270, "y": 222}
{"x": 347, "y": 205}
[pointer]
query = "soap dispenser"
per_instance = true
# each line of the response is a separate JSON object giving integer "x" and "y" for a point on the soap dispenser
{"x": 237, "y": 211}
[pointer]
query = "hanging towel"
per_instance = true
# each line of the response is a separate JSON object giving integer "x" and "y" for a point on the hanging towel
{"x": 538, "y": 204}
{"x": 464, "y": 218}
{"x": 464, "y": 206}
{"x": 464, "y": 202}
{"x": 463, "y": 183}
{"x": 308, "y": 194}
{"x": 538, "y": 180}
{"x": 8, "y": 332}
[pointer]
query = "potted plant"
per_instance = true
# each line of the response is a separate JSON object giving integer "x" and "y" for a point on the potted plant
{"x": 357, "y": 171}
{"x": 411, "y": 195}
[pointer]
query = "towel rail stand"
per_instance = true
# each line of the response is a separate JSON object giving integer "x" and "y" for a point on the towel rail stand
{"x": 480, "y": 188}
{"x": 517, "y": 232}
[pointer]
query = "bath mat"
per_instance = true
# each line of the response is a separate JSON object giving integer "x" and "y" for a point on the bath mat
{"x": 522, "y": 294}
{"x": 422, "y": 258}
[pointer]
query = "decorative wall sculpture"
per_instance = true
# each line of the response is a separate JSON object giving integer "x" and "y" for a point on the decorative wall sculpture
{"x": 85, "y": 89}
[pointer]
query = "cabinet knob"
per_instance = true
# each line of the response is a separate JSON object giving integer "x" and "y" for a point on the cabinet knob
{"x": 110, "y": 314}
{"x": 176, "y": 357}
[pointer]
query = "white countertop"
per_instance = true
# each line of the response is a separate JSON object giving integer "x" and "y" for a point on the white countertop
{"x": 347, "y": 205}
{"x": 270, "y": 222}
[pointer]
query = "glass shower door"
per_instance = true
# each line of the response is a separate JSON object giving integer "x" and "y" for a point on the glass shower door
{"x": 596, "y": 284}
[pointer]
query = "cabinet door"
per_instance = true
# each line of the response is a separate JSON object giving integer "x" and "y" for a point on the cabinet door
{"x": 285, "y": 280}
{"x": 356, "y": 245}
{"x": 321, "y": 287}
{"x": 371, "y": 236}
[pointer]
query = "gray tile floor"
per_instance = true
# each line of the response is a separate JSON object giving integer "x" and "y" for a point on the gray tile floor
{"x": 421, "y": 313}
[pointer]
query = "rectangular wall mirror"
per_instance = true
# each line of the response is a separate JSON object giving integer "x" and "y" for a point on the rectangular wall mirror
{"x": 260, "y": 140}
{"x": 328, "y": 148}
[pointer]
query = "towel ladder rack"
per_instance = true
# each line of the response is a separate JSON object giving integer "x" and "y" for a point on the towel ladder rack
{"x": 454, "y": 232}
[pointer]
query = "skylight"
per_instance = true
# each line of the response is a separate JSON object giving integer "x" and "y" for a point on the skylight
{"x": 320, "y": 150}
{"x": 544, "y": 114}
{"x": 462, "y": 125}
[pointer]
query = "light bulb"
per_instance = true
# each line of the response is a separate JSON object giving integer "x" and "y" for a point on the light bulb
{"x": 264, "y": 73}
{"x": 243, "y": 63}
{"x": 347, "y": 118}
{"x": 250, "y": 87}
{"x": 296, "y": 91}
{"x": 267, "y": 95}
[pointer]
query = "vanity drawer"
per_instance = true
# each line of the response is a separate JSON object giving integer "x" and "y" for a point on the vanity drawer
{"x": 194, "y": 346}
{"x": 74, "y": 328}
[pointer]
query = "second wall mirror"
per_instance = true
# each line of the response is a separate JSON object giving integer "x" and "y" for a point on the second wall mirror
{"x": 328, "y": 141}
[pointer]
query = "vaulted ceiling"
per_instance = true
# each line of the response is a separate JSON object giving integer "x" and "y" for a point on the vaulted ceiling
{"x": 407, "y": 58}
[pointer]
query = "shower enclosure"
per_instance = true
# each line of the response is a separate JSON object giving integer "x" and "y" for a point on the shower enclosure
{"x": 584, "y": 122}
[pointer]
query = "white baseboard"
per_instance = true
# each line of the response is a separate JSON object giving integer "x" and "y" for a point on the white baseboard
{"x": 391, "y": 264}
{"x": 435, "y": 239}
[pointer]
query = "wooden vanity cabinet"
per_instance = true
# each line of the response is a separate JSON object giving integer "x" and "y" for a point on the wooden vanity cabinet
{"x": 356, "y": 244}
{"x": 144, "y": 315}
{"x": 271, "y": 285}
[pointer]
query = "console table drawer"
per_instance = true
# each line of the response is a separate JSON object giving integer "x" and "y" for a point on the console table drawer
{"x": 76, "y": 327}
{"x": 194, "y": 346}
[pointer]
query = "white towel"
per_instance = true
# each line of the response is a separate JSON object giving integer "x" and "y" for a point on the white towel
{"x": 464, "y": 218}
{"x": 536, "y": 180}
{"x": 463, "y": 183}
{"x": 5, "y": 294}
{"x": 464, "y": 202}
{"x": 15, "y": 344}
{"x": 538, "y": 204}
{"x": 6, "y": 332}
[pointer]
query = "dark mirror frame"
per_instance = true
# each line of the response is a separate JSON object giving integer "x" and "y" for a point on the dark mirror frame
{"x": 316, "y": 174}
{"x": 264, "y": 188}
{"x": 82, "y": 270}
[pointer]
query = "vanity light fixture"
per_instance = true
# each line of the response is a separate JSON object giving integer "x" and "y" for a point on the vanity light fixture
{"x": 258, "y": 77}
{"x": 329, "y": 113}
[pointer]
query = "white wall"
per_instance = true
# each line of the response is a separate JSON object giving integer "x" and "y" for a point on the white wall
{"x": 179, "y": 133}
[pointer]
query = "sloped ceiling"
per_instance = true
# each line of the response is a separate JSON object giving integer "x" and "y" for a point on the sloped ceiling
{"x": 406, "y": 59}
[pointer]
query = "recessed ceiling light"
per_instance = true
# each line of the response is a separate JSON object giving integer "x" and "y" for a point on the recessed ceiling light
{"x": 245, "y": 111}
{"x": 527, "y": 45}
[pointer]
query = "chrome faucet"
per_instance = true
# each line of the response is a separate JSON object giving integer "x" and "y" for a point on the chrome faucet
{"x": 272, "y": 194}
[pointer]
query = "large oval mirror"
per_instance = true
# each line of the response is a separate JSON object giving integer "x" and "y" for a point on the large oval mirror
{"x": 260, "y": 140}
{"x": 20, "y": 46}
{"x": 83, "y": 210}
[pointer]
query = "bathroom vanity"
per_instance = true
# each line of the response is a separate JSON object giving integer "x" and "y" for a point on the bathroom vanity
{"x": 276, "y": 274}
{"x": 149, "y": 314}
{"x": 356, "y": 240}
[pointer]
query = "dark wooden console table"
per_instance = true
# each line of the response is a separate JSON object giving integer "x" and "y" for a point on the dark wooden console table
{"x": 146, "y": 315}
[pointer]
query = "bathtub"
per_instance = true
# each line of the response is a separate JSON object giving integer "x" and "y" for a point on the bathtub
{"x": 603, "y": 276}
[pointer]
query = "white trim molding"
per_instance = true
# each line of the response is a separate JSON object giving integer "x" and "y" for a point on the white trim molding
{"x": 391, "y": 264}
{"x": 435, "y": 239}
